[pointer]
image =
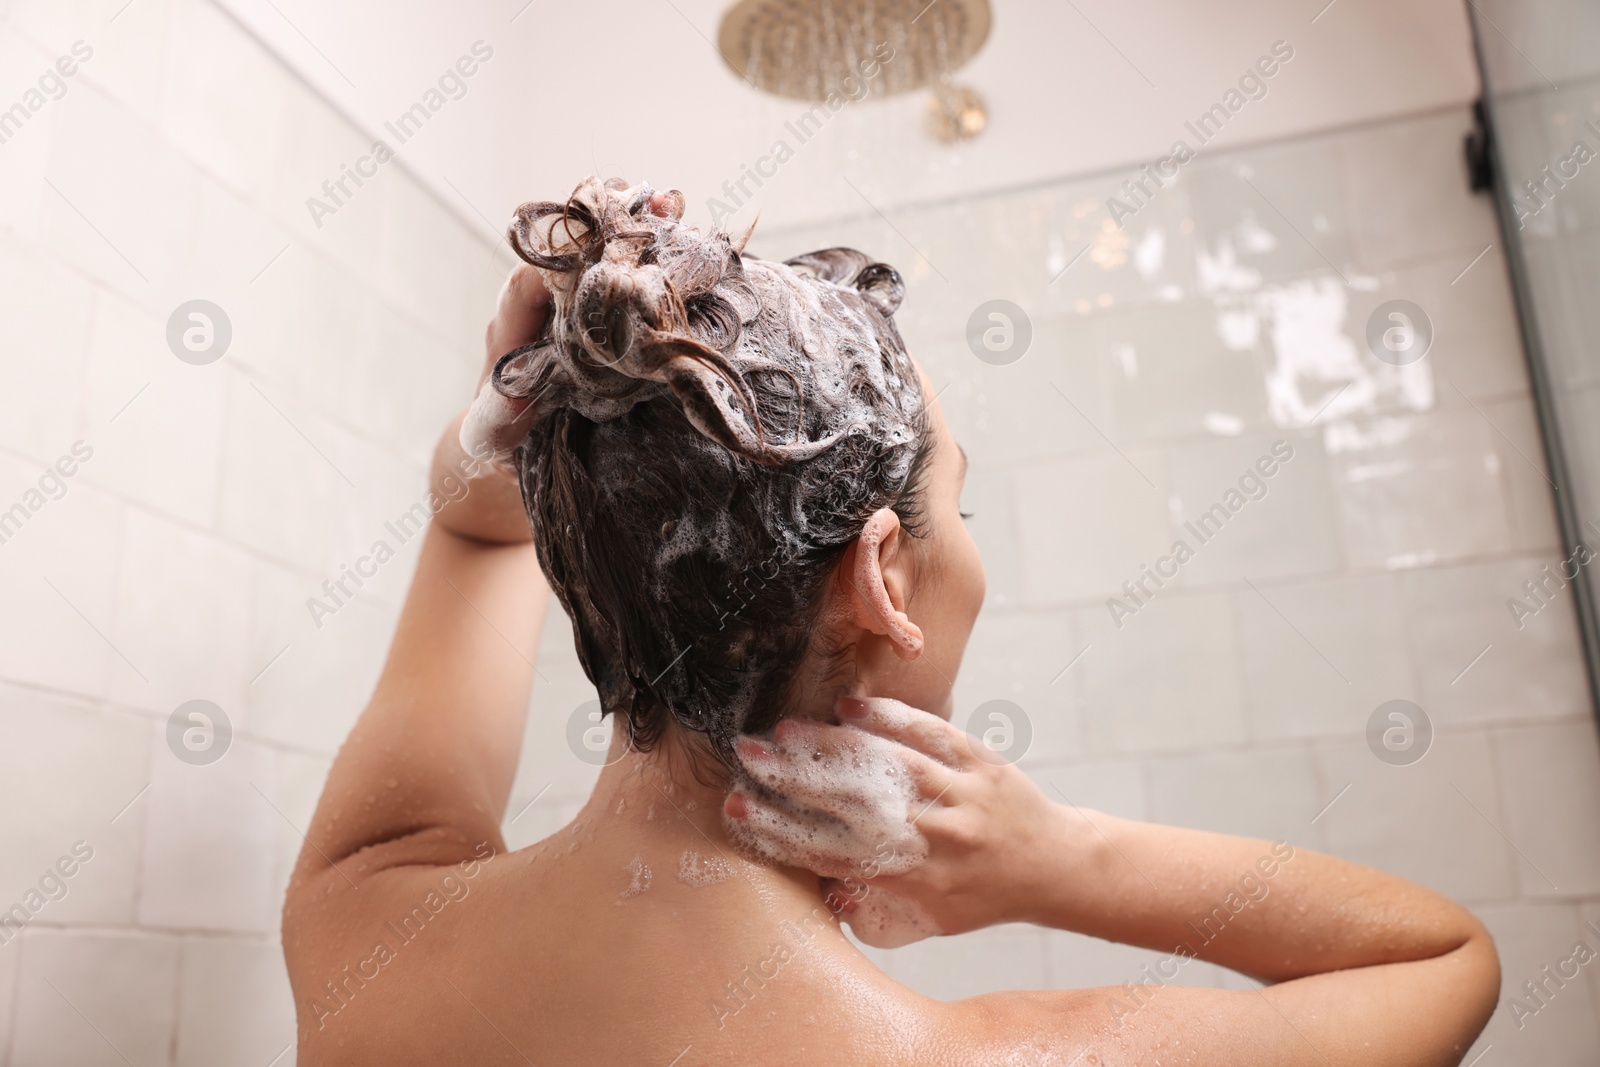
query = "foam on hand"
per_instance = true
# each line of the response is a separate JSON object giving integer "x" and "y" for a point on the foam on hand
{"x": 886, "y": 920}
{"x": 840, "y": 815}
{"x": 848, "y": 815}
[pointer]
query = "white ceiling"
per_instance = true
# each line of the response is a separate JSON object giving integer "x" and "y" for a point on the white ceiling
{"x": 635, "y": 88}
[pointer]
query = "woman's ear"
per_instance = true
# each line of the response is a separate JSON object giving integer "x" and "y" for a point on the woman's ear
{"x": 881, "y": 577}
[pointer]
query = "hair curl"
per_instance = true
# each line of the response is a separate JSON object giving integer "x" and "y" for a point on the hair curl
{"x": 712, "y": 431}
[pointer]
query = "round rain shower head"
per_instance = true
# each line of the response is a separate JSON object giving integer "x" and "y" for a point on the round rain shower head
{"x": 807, "y": 49}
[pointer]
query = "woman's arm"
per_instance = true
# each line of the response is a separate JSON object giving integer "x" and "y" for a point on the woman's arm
{"x": 1265, "y": 909}
{"x": 1372, "y": 968}
{"x": 1369, "y": 968}
{"x": 425, "y": 774}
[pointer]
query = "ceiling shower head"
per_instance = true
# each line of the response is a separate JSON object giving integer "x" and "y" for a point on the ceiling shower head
{"x": 806, "y": 49}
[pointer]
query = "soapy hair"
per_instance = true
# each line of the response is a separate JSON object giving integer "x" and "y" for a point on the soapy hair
{"x": 711, "y": 431}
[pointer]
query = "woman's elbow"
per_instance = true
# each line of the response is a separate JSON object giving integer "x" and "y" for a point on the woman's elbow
{"x": 1479, "y": 977}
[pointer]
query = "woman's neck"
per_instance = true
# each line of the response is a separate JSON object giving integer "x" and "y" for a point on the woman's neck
{"x": 663, "y": 809}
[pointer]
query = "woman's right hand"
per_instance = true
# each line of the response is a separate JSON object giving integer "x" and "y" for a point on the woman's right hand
{"x": 916, "y": 827}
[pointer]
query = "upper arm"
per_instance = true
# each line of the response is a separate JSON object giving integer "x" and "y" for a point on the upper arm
{"x": 425, "y": 774}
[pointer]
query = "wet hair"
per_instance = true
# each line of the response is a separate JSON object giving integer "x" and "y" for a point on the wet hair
{"x": 711, "y": 433}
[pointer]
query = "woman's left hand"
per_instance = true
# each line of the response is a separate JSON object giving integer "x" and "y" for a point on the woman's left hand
{"x": 897, "y": 801}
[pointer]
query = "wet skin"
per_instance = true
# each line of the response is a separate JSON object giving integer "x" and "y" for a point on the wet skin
{"x": 549, "y": 955}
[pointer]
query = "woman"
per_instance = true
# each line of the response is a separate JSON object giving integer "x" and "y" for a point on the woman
{"x": 748, "y": 502}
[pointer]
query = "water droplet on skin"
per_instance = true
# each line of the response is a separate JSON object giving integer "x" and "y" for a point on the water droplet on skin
{"x": 622, "y": 804}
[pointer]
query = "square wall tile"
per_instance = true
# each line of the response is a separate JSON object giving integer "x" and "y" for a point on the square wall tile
{"x": 315, "y": 143}
{"x": 1558, "y": 1027}
{"x": 1101, "y": 518}
{"x": 1268, "y": 526}
{"x": 419, "y": 261}
{"x": 122, "y": 206}
{"x": 58, "y": 576}
{"x": 310, "y": 682}
{"x": 1487, "y": 649}
{"x": 235, "y": 1007}
{"x": 95, "y": 1000}
{"x": 1167, "y": 680}
{"x": 1477, "y": 342}
{"x": 1320, "y": 368}
{"x": 1078, "y": 961}
{"x": 155, "y": 422}
{"x": 1419, "y": 489}
{"x": 1115, "y": 787}
{"x": 9, "y": 958}
{"x": 1550, "y": 776}
{"x": 987, "y": 497}
{"x": 1173, "y": 373}
{"x": 388, "y": 487}
{"x": 1319, "y": 656}
{"x": 182, "y": 616}
{"x": 1408, "y": 192}
{"x": 409, "y": 386}
{"x": 563, "y": 699}
{"x": 1270, "y": 794}
{"x": 305, "y": 323}
{"x": 296, "y": 790}
{"x": 1052, "y": 401}
{"x": 1275, "y": 211}
{"x": 1436, "y": 821}
{"x": 1096, "y": 263}
{"x": 45, "y": 337}
{"x": 233, "y": 133}
{"x": 1528, "y": 485}
{"x": 211, "y": 841}
{"x": 969, "y": 965}
{"x": 27, "y": 157}
{"x": 238, "y": 248}
{"x": 279, "y": 484}
{"x": 129, "y": 53}
{"x": 1022, "y": 659}
{"x": 74, "y": 769}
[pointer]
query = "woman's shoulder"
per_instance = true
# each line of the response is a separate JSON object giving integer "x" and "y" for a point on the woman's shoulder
{"x": 546, "y": 956}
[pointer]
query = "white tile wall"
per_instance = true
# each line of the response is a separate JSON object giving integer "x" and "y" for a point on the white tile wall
{"x": 1108, "y": 509}
{"x": 8, "y": 988}
{"x": 1228, "y": 314}
{"x": 1232, "y": 312}
{"x": 1437, "y": 821}
{"x": 211, "y": 836}
{"x": 1551, "y": 778}
{"x": 1559, "y": 1027}
{"x": 1269, "y": 793}
{"x": 81, "y": 780}
{"x": 215, "y": 503}
{"x": 1076, "y": 960}
{"x": 1319, "y": 655}
{"x": 87, "y": 999}
{"x": 949, "y": 968}
{"x": 234, "y": 1005}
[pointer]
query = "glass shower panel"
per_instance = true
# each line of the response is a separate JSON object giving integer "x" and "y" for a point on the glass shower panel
{"x": 1540, "y": 62}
